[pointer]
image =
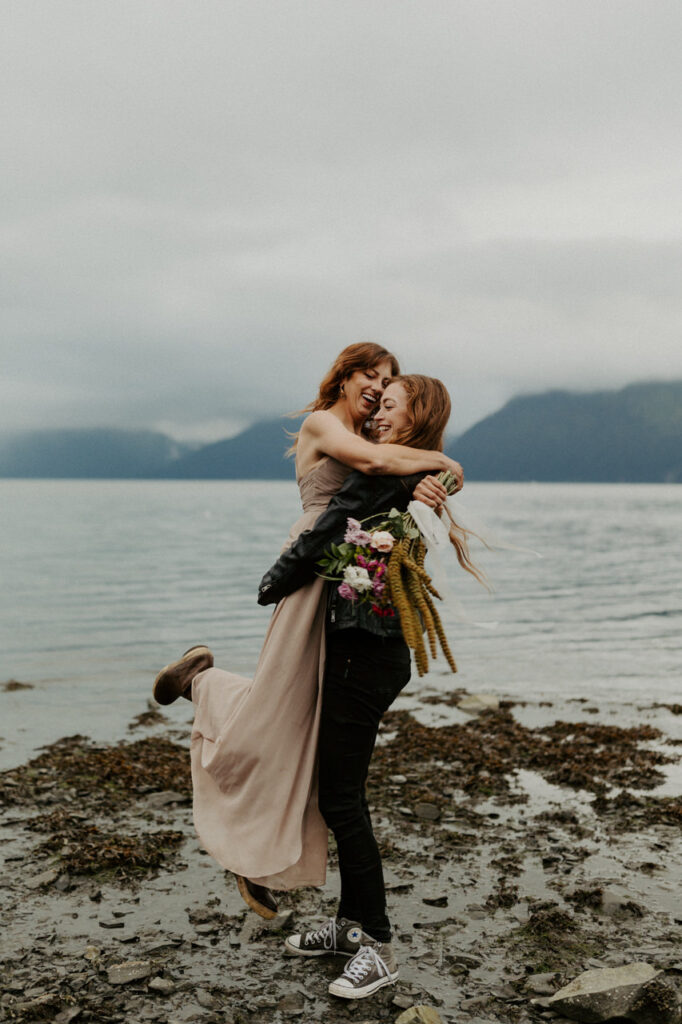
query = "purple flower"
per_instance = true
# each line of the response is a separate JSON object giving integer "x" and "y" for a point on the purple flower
{"x": 378, "y": 587}
{"x": 345, "y": 590}
{"x": 355, "y": 533}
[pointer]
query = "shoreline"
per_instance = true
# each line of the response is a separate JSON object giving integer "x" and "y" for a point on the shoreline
{"x": 520, "y": 848}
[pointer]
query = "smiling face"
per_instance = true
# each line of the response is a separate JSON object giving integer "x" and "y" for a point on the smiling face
{"x": 364, "y": 388}
{"x": 393, "y": 415}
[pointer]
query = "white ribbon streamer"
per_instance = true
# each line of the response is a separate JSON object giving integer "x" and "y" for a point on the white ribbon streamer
{"x": 436, "y": 537}
{"x": 468, "y": 521}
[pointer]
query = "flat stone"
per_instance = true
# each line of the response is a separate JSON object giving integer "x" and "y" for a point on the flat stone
{"x": 264, "y": 1003}
{"x": 40, "y": 1003}
{"x": 13, "y": 987}
{"x": 111, "y": 924}
{"x": 466, "y": 960}
{"x": 130, "y": 970}
{"x": 403, "y": 1002}
{"x": 476, "y": 702}
{"x": 44, "y": 878}
{"x": 67, "y": 1015}
{"x": 507, "y": 993}
{"x": 165, "y": 798}
{"x": 162, "y": 985}
{"x": 170, "y": 942}
{"x": 293, "y": 1003}
{"x": 434, "y": 900}
{"x": 206, "y": 999}
{"x": 426, "y": 811}
{"x": 617, "y": 907}
{"x": 208, "y": 928}
{"x": 420, "y": 1015}
{"x": 541, "y": 984}
{"x": 280, "y": 922}
{"x": 636, "y": 991}
{"x": 473, "y": 1003}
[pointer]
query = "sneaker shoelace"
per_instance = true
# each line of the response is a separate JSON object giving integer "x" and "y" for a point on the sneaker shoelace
{"x": 362, "y": 963}
{"x": 326, "y": 935}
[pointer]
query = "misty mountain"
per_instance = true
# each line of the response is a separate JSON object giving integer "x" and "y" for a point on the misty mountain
{"x": 632, "y": 435}
{"x": 100, "y": 453}
{"x": 255, "y": 454}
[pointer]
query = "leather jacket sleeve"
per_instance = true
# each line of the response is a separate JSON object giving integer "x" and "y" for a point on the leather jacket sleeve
{"x": 359, "y": 497}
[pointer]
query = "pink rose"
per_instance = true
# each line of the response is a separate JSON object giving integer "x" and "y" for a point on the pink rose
{"x": 382, "y": 540}
{"x": 345, "y": 590}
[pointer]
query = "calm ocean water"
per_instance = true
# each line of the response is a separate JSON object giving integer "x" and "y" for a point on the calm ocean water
{"x": 104, "y": 582}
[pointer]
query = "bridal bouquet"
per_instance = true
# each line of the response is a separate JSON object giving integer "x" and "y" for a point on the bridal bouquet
{"x": 384, "y": 567}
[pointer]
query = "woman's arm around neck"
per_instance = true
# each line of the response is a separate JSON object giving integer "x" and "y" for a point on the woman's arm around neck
{"x": 322, "y": 433}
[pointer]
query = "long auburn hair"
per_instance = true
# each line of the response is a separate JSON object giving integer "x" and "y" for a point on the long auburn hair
{"x": 428, "y": 409}
{"x": 364, "y": 355}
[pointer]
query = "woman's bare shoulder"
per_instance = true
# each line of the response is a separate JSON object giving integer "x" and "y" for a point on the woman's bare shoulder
{"x": 317, "y": 421}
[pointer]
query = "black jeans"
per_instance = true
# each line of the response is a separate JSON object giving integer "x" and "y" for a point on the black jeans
{"x": 363, "y": 676}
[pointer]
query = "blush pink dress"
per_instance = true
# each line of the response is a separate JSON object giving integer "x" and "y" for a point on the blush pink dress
{"x": 254, "y": 741}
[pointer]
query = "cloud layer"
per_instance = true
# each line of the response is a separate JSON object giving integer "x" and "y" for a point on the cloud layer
{"x": 202, "y": 203}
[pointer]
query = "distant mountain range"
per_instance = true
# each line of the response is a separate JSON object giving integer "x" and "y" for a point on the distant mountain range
{"x": 100, "y": 453}
{"x": 631, "y": 435}
{"x": 255, "y": 454}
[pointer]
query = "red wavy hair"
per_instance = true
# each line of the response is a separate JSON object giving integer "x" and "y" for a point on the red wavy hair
{"x": 364, "y": 355}
{"x": 428, "y": 409}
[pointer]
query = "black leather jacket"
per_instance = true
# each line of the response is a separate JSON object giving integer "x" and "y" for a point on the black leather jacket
{"x": 359, "y": 497}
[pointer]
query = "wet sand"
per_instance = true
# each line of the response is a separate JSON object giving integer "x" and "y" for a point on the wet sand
{"x": 521, "y": 844}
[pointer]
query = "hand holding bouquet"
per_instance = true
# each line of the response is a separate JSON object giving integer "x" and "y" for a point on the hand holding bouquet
{"x": 384, "y": 567}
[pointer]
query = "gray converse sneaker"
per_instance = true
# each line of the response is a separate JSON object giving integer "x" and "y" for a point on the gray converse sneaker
{"x": 370, "y": 969}
{"x": 336, "y": 936}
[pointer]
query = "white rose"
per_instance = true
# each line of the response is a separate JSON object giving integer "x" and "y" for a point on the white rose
{"x": 357, "y": 578}
{"x": 382, "y": 540}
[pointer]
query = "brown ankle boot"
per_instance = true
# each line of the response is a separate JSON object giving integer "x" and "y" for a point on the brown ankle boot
{"x": 257, "y": 897}
{"x": 175, "y": 680}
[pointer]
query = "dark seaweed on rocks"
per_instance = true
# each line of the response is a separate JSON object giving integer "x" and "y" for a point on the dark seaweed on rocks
{"x": 591, "y": 897}
{"x": 480, "y": 755}
{"x": 492, "y": 902}
{"x": 106, "y": 775}
{"x": 635, "y": 812}
{"x": 552, "y": 939}
{"x": 586, "y": 751}
{"x": 85, "y": 850}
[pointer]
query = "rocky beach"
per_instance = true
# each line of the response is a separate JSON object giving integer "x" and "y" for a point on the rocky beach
{"x": 524, "y": 844}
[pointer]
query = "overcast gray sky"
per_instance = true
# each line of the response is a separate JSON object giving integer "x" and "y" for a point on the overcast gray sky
{"x": 202, "y": 202}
